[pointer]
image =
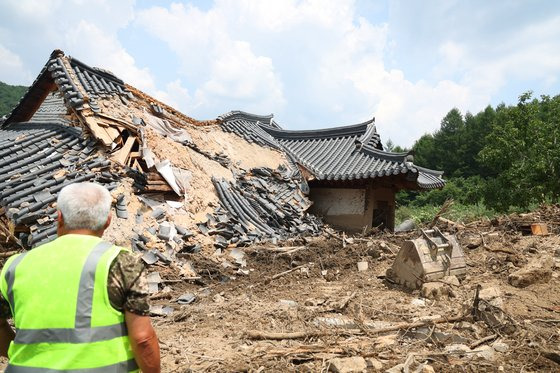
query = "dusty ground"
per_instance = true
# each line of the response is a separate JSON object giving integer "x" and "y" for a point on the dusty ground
{"x": 217, "y": 332}
{"x": 213, "y": 333}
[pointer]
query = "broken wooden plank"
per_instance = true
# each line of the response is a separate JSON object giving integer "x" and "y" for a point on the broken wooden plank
{"x": 125, "y": 124}
{"x": 256, "y": 334}
{"x": 98, "y": 132}
{"x": 121, "y": 155}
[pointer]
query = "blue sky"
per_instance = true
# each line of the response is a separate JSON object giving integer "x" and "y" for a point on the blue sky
{"x": 316, "y": 63}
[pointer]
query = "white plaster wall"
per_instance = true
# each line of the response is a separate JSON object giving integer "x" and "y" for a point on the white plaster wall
{"x": 338, "y": 201}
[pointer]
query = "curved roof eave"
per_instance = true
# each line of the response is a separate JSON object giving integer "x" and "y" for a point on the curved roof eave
{"x": 342, "y": 131}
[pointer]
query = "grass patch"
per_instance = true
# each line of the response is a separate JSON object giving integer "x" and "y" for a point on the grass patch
{"x": 457, "y": 212}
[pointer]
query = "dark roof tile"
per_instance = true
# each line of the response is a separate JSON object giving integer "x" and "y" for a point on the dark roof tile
{"x": 340, "y": 153}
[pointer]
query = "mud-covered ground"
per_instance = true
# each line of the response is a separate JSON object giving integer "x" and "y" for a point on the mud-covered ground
{"x": 324, "y": 308}
{"x": 338, "y": 311}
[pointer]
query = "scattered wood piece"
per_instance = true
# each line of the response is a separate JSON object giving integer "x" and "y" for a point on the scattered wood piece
{"x": 546, "y": 320}
{"x": 256, "y": 334}
{"x": 483, "y": 340}
{"x": 500, "y": 250}
{"x": 551, "y": 355}
{"x": 409, "y": 360}
{"x": 333, "y": 235}
{"x": 417, "y": 324}
{"x": 278, "y": 275}
{"x": 339, "y": 306}
{"x": 7, "y": 254}
{"x": 122, "y": 154}
{"x": 446, "y": 205}
{"x": 451, "y": 223}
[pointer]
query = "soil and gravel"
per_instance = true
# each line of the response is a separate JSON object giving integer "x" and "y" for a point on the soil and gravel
{"x": 340, "y": 309}
{"x": 312, "y": 287}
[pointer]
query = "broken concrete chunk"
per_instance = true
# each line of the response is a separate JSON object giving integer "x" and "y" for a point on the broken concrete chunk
{"x": 347, "y": 364}
{"x": 427, "y": 369}
{"x": 539, "y": 270}
{"x": 287, "y": 303}
{"x": 362, "y": 266}
{"x": 406, "y": 226}
{"x": 457, "y": 348}
{"x": 492, "y": 295}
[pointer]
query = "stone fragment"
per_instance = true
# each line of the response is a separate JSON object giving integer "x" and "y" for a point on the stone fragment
{"x": 473, "y": 241}
{"x": 385, "y": 340}
{"x": 539, "y": 270}
{"x": 406, "y": 226}
{"x": 492, "y": 295}
{"x": 374, "y": 364}
{"x": 451, "y": 280}
{"x": 436, "y": 290}
{"x": 485, "y": 352}
{"x": 347, "y": 364}
{"x": 500, "y": 346}
{"x": 457, "y": 348}
{"x": 427, "y": 369}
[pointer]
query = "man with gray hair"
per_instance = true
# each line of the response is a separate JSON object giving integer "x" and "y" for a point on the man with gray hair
{"x": 78, "y": 303}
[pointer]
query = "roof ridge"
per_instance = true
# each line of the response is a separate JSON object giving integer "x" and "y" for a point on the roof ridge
{"x": 341, "y": 131}
{"x": 245, "y": 115}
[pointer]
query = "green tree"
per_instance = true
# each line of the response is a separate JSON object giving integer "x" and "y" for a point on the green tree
{"x": 9, "y": 97}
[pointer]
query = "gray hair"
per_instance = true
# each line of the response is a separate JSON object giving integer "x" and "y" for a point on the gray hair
{"x": 84, "y": 206}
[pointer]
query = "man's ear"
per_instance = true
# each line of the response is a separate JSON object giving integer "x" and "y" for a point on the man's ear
{"x": 59, "y": 223}
{"x": 108, "y": 222}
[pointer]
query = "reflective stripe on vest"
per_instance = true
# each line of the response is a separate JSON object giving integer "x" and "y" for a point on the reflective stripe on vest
{"x": 124, "y": 366}
{"x": 10, "y": 277}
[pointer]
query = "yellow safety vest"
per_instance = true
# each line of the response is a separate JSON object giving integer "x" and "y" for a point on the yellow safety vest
{"x": 62, "y": 314}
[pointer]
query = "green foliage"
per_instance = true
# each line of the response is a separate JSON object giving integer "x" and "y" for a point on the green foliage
{"x": 9, "y": 97}
{"x": 458, "y": 212}
{"x": 504, "y": 158}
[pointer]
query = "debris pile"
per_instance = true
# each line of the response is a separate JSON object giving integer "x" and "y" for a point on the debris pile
{"x": 262, "y": 204}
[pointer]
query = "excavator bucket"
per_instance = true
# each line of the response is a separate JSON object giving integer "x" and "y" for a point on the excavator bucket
{"x": 432, "y": 256}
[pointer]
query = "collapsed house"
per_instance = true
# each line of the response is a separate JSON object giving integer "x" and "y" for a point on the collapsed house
{"x": 352, "y": 180}
{"x": 233, "y": 181}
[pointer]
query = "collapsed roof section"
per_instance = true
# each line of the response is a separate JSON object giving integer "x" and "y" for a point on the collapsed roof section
{"x": 349, "y": 153}
{"x": 90, "y": 106}
{"x": 37, "y": 159}
{"x": 113, "y": 112}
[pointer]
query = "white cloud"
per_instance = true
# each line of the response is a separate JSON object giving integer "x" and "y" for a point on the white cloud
{"x": 314, "y": 63}
{"x": 11, "y": 67}
{"x": 87, "y": 30}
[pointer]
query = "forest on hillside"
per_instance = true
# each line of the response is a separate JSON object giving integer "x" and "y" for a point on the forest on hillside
{"x": 501, "y": 159}
{"x": 9, "y": 97}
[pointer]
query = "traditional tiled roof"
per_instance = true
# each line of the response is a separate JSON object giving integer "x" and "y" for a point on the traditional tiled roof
{"x": 250, "y": 127}
{"x": 334, "y": 154}
{"x": 52, "y": 110}
{"x": 36, "y": 161}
